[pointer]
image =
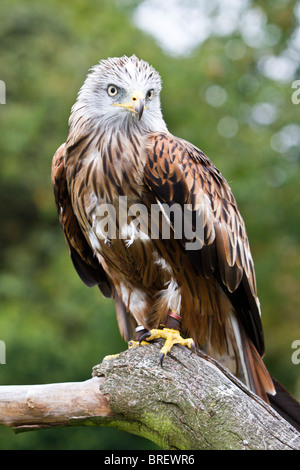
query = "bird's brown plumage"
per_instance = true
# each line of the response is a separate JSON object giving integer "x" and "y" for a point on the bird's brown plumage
{"x": 127, "y": 152}
{"x": 215, "y": 282}
{"x": 118, "y": 163}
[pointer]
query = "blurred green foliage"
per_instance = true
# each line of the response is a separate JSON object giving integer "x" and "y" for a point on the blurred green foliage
{"x": 55, "y": 329}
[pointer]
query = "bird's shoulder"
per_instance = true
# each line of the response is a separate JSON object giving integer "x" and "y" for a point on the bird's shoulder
{"x": 171, "y": 159}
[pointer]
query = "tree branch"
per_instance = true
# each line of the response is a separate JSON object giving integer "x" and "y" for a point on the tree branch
{"x": 189, "y": 403}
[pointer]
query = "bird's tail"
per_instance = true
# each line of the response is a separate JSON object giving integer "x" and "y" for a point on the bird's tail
{"x": 243, "y": 360}
{"x": 259, "y": 379}
{"x": 286, "y": 405}
{"x": 269, "y": 389}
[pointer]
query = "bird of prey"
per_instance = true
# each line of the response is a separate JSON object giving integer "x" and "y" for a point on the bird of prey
{"x": 194, "y": 287}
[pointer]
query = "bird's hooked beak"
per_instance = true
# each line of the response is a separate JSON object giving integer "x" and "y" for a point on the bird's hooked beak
{"x": 136, "y": 105}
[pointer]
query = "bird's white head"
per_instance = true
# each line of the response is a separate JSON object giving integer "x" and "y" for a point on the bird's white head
{"x": 120, "y": 92}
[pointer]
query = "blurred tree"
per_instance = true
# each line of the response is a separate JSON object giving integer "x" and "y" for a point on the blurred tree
{"x": 230, "y": 95}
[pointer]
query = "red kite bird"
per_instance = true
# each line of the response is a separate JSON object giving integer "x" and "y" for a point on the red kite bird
{"x": 120, "y": 169}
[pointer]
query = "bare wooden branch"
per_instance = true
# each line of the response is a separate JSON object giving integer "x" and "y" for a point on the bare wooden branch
{"x": 189, "y": 403}
{"x": 27, "y": 407}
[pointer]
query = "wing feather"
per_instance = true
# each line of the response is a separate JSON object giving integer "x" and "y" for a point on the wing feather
{"x": 86, "y": 265}
{"x": 178, "y": 172}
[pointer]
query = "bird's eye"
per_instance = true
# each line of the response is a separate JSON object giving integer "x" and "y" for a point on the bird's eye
{"x": 149, "y": 94}
{"x": 112, "y": 90}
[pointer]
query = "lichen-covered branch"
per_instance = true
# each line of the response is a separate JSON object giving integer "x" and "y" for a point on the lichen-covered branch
{"x": 189, "y": 403}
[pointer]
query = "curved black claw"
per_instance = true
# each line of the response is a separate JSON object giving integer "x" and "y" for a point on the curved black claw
{"x": 144, "y": 336}
{"x": 161, "y": 358}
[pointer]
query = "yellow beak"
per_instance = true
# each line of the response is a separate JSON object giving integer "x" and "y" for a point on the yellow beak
{"x": 136, "y": 105}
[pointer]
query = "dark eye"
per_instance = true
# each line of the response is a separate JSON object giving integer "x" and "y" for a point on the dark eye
{"x": 112, "y": 90}
{"x": 149, "y": 94}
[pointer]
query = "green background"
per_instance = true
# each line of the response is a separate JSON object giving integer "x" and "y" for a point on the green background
{"x": 54, "y": 328}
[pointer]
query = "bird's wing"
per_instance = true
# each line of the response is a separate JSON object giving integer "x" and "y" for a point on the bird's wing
{"x": 85, "y": 263}
{"x": 177, "y": 172}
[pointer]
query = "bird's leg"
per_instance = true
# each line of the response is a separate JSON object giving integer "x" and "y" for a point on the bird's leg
{"x": 139, "y": 332}
{"x": 171, "y": 333}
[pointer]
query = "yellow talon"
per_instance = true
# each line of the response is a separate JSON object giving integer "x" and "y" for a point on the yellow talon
{"x": 134, "y": 344}
{"x": 172, "y": 337}
{"x": 110, "y": 356}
